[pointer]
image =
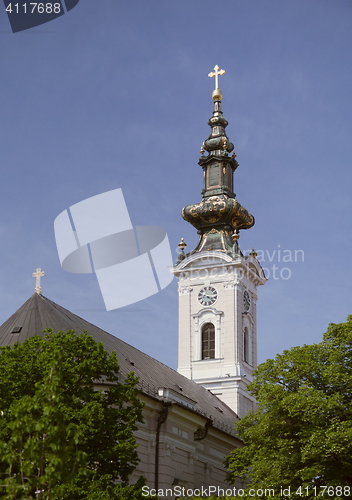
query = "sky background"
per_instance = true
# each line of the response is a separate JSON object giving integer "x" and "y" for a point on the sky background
{"x": 116, "y": 95}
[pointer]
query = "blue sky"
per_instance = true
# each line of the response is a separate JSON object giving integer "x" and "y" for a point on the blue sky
{"x": 116, "y": 95}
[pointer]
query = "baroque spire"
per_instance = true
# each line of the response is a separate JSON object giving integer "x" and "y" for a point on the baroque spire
{"x": 219, "y": 216}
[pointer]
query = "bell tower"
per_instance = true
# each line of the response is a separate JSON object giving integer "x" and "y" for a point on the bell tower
{"x": 217, "y": 283}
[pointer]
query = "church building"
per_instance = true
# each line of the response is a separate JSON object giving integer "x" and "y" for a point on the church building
{"x": 189, "y": 415}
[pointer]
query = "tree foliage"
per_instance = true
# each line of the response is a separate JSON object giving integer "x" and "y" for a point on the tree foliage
{"x": 301, "y": 433}
{"x": 61, "y": 438}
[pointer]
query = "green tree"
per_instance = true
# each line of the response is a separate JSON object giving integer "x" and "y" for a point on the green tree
{"x": 61, "y": 438}
{"x": 300, "y": 437}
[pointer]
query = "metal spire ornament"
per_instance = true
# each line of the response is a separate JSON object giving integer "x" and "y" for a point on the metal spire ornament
{"x": 219, "y": 216}
{"x": 217, "y": 94}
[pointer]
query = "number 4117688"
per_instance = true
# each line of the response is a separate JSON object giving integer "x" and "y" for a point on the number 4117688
{"x": 322, "y": 491}
{"x": 41, "y": 8}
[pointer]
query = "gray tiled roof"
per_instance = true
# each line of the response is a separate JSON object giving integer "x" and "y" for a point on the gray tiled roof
{"x": 39, "y": 313}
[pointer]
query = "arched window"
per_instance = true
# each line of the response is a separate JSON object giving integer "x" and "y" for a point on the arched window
{"x": 246, "y": 345}
{"x": 208, "y": 341}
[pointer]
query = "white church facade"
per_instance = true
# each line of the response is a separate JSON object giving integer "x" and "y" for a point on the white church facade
{"x": 218, "y": 325}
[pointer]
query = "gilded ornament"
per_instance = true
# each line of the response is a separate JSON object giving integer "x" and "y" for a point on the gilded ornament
{"x": 212, "y": 231}
{"x": 235, "y": 235}
{"x": 182, "y": 245}
{"x": 253, "y": 253}
{"x": 217, "y": 94}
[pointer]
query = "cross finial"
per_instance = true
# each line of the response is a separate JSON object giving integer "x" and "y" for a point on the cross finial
{"x": 37, "y": 275}
{"x": 216, "y": 73}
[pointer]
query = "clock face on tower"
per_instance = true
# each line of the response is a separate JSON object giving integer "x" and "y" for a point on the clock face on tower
{"x": 207, "y": 296}
{"x": 246, "y": 300}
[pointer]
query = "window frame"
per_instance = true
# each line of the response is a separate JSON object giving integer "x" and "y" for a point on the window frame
{"x": 208, "y": 352}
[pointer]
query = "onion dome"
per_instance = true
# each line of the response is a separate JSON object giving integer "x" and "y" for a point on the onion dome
{"x": 219, "y": 216}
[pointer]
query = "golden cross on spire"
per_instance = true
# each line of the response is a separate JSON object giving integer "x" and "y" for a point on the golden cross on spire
{"x": 216, "y": 73}
{"x": 37, "y": 275}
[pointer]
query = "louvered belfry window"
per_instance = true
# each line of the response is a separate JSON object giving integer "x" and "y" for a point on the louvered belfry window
{"x": 208, "y": 341}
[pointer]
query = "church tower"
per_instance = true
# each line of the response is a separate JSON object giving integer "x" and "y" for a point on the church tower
{"x": 217, "y": 283}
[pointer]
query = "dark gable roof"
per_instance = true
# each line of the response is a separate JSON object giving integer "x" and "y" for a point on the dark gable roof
{"x": 39, "y": 313}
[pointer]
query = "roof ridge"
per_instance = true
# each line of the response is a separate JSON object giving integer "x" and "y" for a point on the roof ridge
{"x": 111, "y": 335}
{"x": 40, "y": 312}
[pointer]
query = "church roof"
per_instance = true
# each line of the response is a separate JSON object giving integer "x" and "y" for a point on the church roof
{"x": 155, "y": 379}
